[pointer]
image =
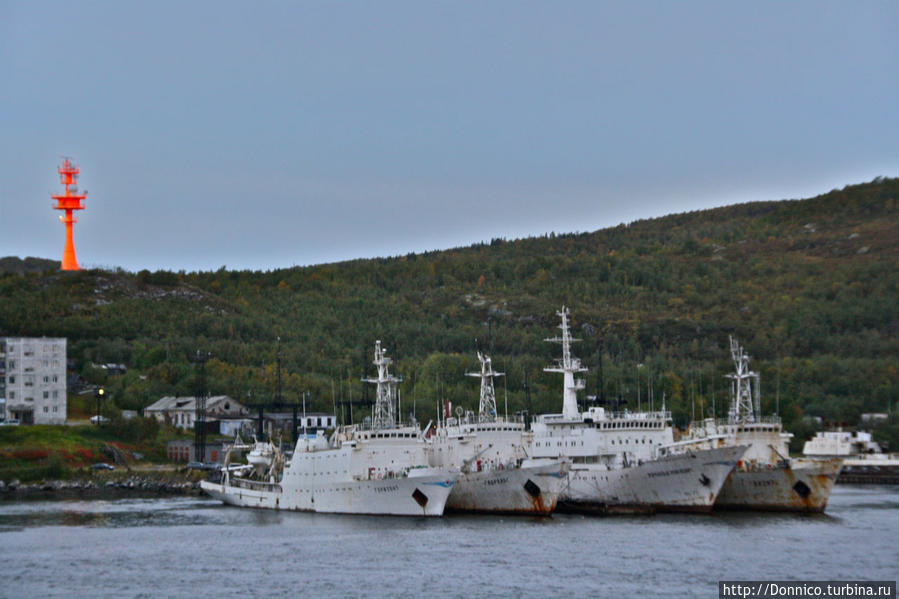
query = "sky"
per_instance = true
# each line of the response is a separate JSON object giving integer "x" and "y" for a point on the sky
{"x": 262, "y": 135}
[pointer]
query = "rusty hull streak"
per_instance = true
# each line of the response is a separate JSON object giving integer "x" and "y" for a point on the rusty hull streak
{"x": 538, "y": 508}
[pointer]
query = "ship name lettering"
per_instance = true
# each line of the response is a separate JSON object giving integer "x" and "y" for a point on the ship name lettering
{"x": 670, "y": 472}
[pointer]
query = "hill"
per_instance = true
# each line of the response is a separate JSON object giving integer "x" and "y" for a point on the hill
{"x": 809, "y": 287}
{"x": 14, "y": 264}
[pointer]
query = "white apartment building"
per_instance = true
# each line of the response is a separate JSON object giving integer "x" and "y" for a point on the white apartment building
{"x": 33, "y": 379}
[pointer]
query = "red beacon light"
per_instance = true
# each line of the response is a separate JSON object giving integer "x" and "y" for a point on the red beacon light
{"x": 70, "y": 201}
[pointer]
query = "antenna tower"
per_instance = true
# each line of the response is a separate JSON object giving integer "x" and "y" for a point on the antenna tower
{"x": 744, "y": 394}
{"x": 568, "y": 366}
{"x": 385, "y": 403}
{"x": 487, "y": 407}
{"x": 69, "y": 201}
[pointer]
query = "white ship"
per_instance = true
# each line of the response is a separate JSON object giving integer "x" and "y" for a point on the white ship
{"x": 496, "y": 475}
{"x": 384, "y": 470}
{"x": 766, "y": 478}
{"x": 863, "y": 459}
{"x": 616, "y": 466}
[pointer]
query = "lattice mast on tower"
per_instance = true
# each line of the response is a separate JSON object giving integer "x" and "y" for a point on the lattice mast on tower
{"x": 69, "y": 201}
{"x": 487, "y": 407}
{"x": 568, "y": 366}
{"x": 744, "y": 387}
{"x": 384, "y": 410}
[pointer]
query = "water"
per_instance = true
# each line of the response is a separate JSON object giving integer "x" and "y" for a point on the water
{"x": 194, "y": 547}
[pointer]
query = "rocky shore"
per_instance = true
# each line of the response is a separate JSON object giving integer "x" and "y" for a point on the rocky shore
{"x": 103, "y": 487}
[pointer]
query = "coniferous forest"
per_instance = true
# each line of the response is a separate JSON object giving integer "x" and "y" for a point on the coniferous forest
{"x": 809, "y": 287}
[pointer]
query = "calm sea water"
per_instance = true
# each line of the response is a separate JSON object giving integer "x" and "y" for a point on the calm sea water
{"x": 195, "y": 547}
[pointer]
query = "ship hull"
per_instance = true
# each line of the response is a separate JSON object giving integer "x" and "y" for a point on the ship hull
{"x": 804, "y": 486}
{"x": 687, "y": 482}
{"x": 533, "y": 490}
{"x": 412, "y": 496}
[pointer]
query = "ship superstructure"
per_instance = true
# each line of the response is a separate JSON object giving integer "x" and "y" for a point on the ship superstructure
{"x": 864, "y": 461}
{"x": 616, "y": 465}
{"x": 766, "y": 478}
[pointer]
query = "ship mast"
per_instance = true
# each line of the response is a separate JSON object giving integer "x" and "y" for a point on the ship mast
{"x": 568, "y": 366}
{"x": 744, "y": 395}
{"x": 487, "y": 407}
{"x": 384, "y": 411}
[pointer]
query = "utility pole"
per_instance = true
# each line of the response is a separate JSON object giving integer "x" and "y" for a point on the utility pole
{"x": 200, "y": 394}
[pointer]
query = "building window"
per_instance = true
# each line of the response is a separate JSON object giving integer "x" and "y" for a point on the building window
{"x": 55, "y": 378}
{"x": 12, "y": 380}
{"x": 46, "y": 394}
{"x": 55, "y": 408}
{"x": 55, "y": 394}
{"x": 12, "y": 394}
{"x": 46, "y": 409}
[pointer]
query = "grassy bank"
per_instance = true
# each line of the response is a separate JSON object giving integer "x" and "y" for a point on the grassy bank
{"x": 30, "y": 453}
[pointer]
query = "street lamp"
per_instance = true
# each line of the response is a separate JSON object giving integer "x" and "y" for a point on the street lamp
{"x": 99, "y": 395}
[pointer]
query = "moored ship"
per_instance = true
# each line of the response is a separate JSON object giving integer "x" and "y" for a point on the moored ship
{"x": 496, "y": 475}
{"x": 383, "y": 470}
{"x": 766, "y": 477}
{"x": 616, "y": 466}
{"x": 864, "y": 461}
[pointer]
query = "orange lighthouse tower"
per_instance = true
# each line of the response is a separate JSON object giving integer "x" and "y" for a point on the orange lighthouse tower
{"x": 70, "y": 201}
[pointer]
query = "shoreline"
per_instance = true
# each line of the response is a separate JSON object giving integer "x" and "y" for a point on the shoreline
{"x": 100, "y": 487}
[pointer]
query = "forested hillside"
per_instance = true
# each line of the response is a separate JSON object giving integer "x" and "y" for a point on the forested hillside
{"x": 809, "y": 287}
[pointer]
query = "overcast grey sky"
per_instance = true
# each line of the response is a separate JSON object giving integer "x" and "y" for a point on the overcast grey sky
{"x": 261, "y": 135}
